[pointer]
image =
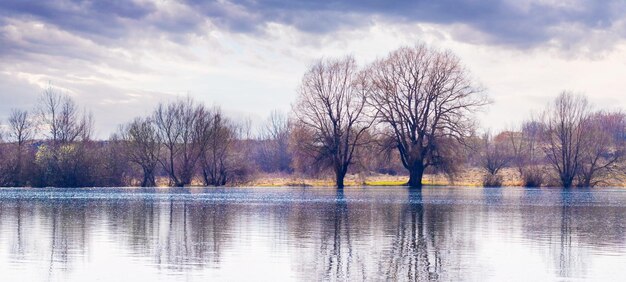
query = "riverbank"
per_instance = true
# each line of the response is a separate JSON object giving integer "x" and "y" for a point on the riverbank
{"x": 471, "y": 177}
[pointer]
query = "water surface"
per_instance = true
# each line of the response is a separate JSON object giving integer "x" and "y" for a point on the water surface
{"x": 312, "y": 234}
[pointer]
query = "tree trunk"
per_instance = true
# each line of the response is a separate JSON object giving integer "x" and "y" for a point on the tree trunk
{"x": 567, "y": 184}
{"x": 415, "y": 176}
{"x": 566, "y": 181}
{"x": 148, "y": 178}
{"x": 340, "y": 175}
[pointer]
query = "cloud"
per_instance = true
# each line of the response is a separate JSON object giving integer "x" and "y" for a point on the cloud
{"x": 519, "y": 24}
{"x": 89, "y": 18}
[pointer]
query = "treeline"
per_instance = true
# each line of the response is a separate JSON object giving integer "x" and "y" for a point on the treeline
{"x": 410, "y": 112}
{"x": 567, "y": 144}
{"x": 180, "y": 143}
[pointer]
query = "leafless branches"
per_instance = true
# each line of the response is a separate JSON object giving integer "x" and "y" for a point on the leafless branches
{"x": 144, "y": 147}
{"x": 225, "y": 158}
{"x": 495, "y": 155}
{"x": 21, "y": 130}
{"x": 603, "y": 148}
{"x": 331, "y": 107}
{"x": 181, "y": 127}
{"x": 565, "y": 121}
{"x": 273, "y": 149}
{"x": 528, "y": 155}
{"x": 61, "y": 117}
{"x": 424, "y": 97}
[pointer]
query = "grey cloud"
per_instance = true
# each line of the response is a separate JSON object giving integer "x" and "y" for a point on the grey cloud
{"x": 90, "y": 18}
{"x": 516, "y": 23}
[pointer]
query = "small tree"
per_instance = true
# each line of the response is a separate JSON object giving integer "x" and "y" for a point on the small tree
{"x": 602, "y": 149}
{"x": 495, "y": 155}
{"x": 21, "y": 130}
{"x": 143, "y": 147}
{"x": 273, "y": 154}
{"x": 224, "y": 158}
{"x": 528, "y": 156}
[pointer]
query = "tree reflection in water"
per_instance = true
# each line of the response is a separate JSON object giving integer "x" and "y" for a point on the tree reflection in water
{"x": 569, "y": 259}
{"x": 359, "y": 234}
{"x": 336, "y": 245}
{"x": 413, "y": 257}
{"x": 176, "y": 234}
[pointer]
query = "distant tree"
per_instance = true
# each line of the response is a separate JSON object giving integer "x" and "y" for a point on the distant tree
{"x": 225, "y": 156}
{"x": 21, "y": 130}
{"x": 5, "y": 167}
{"x": 602, "y": 148}
{"x": 566, "y": 123}
{"x": 179, "y": 127}
{"x": 495, "y": 156}
{"x": 426, "y": 99}
{"x": 331, "y": 107}
{"x": 63, "y": 120}
{"x": 273, "y": 151}
{"x": 143, "y": 147}
{"x": 65, "y": 161}
{"x": 304, "y": 152}
{"x": 528, "y": 157}
{"x": 21, "y": 127}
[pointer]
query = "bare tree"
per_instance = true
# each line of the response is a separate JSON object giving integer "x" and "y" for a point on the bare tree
{"x": 62, "y": 118}
{"x": 424, "y": 97}
{"x": 331, "y": 105}
{"x": 566, "y": 121}
{"x": 528, "y": 157}
{"x": 21, "y": 126}
{"x": 273, "y": 153}
{"x": 144, "y": 147}
{"x": 495, "y": 156}
{"x": 603, "y": 148}
{"x": 218, "y": 163}
{"x": 20, "y": 131}
{"x": 179, "y": 127}
{"x": 64, "y": 160}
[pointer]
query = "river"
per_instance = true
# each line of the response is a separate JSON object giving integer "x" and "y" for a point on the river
{"x": 312, "y": 234}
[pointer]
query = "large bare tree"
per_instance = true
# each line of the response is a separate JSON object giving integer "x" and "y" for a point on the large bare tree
{"x": 426, "y": 98}
{"x": 566, "y": 124}
{"x": 331, "y": 106}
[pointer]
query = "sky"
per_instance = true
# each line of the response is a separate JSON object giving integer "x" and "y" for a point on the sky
{"x": 118, "y": 59}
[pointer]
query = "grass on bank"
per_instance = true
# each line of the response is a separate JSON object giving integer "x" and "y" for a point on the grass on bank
{"x": 372, "y": 181}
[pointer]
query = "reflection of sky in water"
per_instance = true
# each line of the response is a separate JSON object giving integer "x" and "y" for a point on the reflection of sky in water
{"x": 271, "y": 234}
